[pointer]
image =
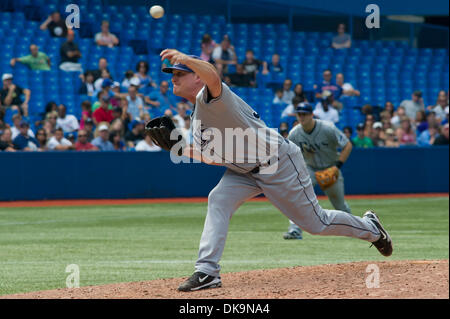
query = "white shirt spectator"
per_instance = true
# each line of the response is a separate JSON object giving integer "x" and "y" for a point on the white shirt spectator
{"x": 288, "y": 96}
{"x": 217, "y": 53}
{"x": 144, "y": 146}
{"x": 53, "y": 142}
{"x": 331, "y": 115}
{"x": 288, "y": 110}
{"x": 133, "y": 106}
{"x": 179, "y": 121}
{"x": 68, "y": 124}
{"x": 108, "y": 39}
{"x": 15, "y": 131}
{"x": 439, "y": 111}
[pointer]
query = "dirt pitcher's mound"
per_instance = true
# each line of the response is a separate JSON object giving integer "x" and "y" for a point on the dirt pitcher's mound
{"x": 390, "y": 279}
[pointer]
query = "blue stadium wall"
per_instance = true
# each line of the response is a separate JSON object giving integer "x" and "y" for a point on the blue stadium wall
{"x": 53, "y": 175}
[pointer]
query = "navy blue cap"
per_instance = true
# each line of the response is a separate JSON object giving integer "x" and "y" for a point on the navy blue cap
{"x": 179, "y": 66}
{"x": 106, "y": 82}
{"x": 304, "y": 108}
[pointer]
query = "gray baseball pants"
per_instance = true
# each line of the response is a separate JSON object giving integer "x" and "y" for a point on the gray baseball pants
{"x": 290, "y": 190}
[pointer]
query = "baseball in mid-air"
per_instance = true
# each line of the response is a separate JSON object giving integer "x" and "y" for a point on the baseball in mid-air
{"x": 157, "y": 12}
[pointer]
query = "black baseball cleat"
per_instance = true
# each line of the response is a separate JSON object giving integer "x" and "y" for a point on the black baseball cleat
{"x": 200, "y": 280}
{"x": 384, "y": 244}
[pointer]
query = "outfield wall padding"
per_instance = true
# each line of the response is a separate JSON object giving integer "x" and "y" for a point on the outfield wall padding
{"x": 91, "y": 175}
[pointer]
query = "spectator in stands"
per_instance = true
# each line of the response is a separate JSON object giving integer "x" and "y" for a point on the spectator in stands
{"x": 251, "y": 64}
{"x": 347, "y": 88}
{"x": 431, "y": 119}
{"x": 441, "y": 104}
{"x": 288, "y": 94}
{"x": 427, "y": 137}
{"x": 117, "y": 125}
{"x": 58, "y": 142}
{"x": 342, "y": 40}
{"x": 70, "y": 54}
{"x": 102, "y": 65}
{"x": 239, "y": 78}
{"x": 130, "y": 79}
{"x": 11, "y": 95}
{"x": 135, "y": 103}
{"x": 15, "y": 129}
{"x": 87, "y": 86}
{"x": 145, "y": 80}
{"x": 405, "y": 133}
{"x": 41, "y": 137}
{"x": 164, "y": 98}
{"x": 147, "y": 145}
{"x": 89, "y": 128}
{"x": 50, "y": 123}
{"x": 103, "y": 113}
{"x": 361, "y": 140}
{"x": 67, "y": 122}
{"x": 298, "y": 91}
{"x": 83, "y": 144}
{"x": 442, "y": 139}
{"x": 86, "y": 112}
{"x": 278, "y": 98}
{"x": 136, "y": 134}
{"x": 274, "y": 66}
{"x": 368, "y": 124}
{"x": 36, "y": 60}
{"x": 186, "y": 130}
{"x": 223, "y": 56}
{"x": 106, "y": 38}
{"x": 23, "y": 141}
{"x": 389, "y": 107}
{"x": 178, "y": 119}
{"x": 6, "y": 143}
{"x": 324, "y": 109}
{"x": 208, "y": 45}
{"x": 413, "y": 105}
{"x": 290, "y": 110}
{"x": 101, "y": 84}
{"x": 377, "y": 135}
{"x": 102, "y": 140}
{"x": 328, "y": 85}
{"x": 348, "y": 131}
{"x": 391, "y": 139}
{"x": 398, "y": 114}
{"x": 55, "y": 25}
{"x": 421, "y": 123}
{"x": 116, "y": 140}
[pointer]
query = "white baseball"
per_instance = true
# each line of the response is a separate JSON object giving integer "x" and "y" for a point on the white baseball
{"x": 157, "y": 12}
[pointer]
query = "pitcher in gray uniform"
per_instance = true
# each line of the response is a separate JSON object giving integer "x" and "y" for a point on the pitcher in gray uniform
{"x": 319, "y": 141}
{"x": 250, "y": 172}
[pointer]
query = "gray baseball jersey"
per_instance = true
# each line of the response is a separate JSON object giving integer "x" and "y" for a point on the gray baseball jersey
{"x": 289, "y": 187}
{"x": 319, "y": 147}
{"x": 229, "y": 115}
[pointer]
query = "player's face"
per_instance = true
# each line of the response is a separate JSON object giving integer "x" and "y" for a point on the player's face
{"x": 183, "y": 83}
{"x": 304, "y": 118}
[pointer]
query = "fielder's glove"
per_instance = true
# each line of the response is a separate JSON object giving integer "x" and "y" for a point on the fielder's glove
{"x": 327, "y": 177}
{"x": 161, "y": 129}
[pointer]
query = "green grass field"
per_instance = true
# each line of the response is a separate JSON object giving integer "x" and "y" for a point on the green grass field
{"x": 143, "y": 242}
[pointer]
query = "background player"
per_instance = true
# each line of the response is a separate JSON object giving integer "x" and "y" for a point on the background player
{"x": 319, "y": 141}
{"x": 288, "y": 187}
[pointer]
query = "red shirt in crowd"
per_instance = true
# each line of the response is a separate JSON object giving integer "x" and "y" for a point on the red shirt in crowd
{"x": 100, "y": 115}
{"x": 84, "y": 147}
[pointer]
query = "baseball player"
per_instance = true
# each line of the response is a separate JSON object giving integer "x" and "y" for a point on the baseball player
{"x": 217, "y": 109}
{"x": 319, "y": 141}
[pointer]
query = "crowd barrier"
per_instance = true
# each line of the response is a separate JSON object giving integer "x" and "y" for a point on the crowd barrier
{"x": 96, "y": 175}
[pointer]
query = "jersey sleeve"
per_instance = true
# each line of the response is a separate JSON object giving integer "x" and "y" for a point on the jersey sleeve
{"x": 340, "y": 138}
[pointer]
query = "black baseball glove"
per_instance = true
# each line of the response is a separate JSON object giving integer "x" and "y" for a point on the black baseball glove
{"x": 160, "y": 130}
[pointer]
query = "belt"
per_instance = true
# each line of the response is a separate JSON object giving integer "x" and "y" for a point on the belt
{"x": 257, "y": 168}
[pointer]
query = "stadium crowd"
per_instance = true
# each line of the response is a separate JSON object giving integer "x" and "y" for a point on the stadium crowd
{"x": 114, "y": 118}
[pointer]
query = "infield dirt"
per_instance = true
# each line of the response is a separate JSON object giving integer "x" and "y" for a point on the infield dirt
{"x": 397, "y": 279}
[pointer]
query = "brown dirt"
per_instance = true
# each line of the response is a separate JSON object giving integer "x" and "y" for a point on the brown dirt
{"x": 398, "y": 279}
{"x": 87, "y": 202}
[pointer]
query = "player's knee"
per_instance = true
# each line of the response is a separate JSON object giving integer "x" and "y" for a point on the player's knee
{"x": 216, "y": 198}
